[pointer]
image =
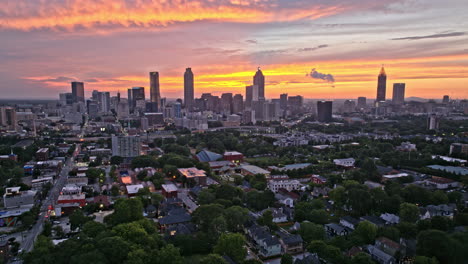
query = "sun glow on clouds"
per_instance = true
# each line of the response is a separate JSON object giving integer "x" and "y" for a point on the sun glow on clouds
{"x": 33, "y": 14}
{"x": 352, "y": 77}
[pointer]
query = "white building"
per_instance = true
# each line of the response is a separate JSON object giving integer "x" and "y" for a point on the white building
{"x": 345, "y": 162}
{"x": 126, "y": 146}
{"x": 274, "y": 184}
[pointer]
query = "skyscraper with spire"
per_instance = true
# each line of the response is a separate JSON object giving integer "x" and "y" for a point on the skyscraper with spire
{"x": 188, "y": 89}
{"x": 155, "y": 95}
{"x": 381, "y": 85}
{"x": 259, "y": 80}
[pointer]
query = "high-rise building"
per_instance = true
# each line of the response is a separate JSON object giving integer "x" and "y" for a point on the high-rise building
{"x": 361, "y": 102}
{"x": 155, "y": 94}
{"x": 381, "y": 85}
{"x": 284, "y": 101}
{"x": 398, "y": 93}
{"x": 433, "y": 122}
{"x": 177, "y": 110}
{"x": 8, "y": 118}
{"x": 446, "y": 99}
{"x": 126, "y": 146}
{"x": 135, "y": 94}
{"x": 188, "y": 89}
{"x": 295, "y": 104}
{"x": 324, "y": 111}
{"x": 349, "y": 106}
{"x": 66, "y": 98}
{"x": 226, "y": 103}
{"x": 78, "y": 91}
{"x": 248, "y": 96}
{"x": 259, "y": 80}
{"x": 93, "y": 108}
{"x": 102, "y": 99}
{"x": 238, "y": 103}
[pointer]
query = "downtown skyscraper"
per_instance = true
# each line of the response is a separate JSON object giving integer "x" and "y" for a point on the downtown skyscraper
{"x": 188, "y": 89}
{"x": 398, "y": 93}
{"x": 155, "y": 94}
{"x": 78, "y": 92}
{"x": 259, "y": 80}
{"x": 381, "y": 85}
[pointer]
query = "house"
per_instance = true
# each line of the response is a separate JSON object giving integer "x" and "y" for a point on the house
{"x": 390, "y": 219}
{"x": 222, "y": 166}
{"x": 349, "y": 222}
{"x": 377, "y": 221}
{"x": 180, "y": 229}
{"x": 309, "y": 259}
{"x": 388, "y": 246}
{"x": 132, "y": 190}
{"x": 346, "y": 163}
{"x": 197, "y": 175}
{"x": 320, "y": 191}
{"x": 270, "y": 247}
{"x": 406, "y": 146}
{"x": 169, "y": 190}
{"x": 290, "y": 167}
{"x": 234, "y": 156}
{"x": 317, "y": 179}
{"x": 286, "y": 198}
{"x": 291, "y": 244}
{"x": 173, "y": 219}
{"x": 207, "y": 156}
{"x": 437, "y": 210}
{"x": 334, "y": 229}
{"x": 42, "y": 154}
{"x": 441, "y": 183}
{"x": 380, "y": 256}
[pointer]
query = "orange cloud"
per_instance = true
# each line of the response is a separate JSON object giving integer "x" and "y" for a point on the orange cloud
{"x": 33, "y": 14}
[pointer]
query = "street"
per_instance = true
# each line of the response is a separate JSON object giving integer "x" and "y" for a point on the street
{"x": 28, "y": 242}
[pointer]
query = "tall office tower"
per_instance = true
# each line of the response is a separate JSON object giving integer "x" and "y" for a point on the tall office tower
{"x": 8, "y": 118}
{"x": 398, "y": 93}
{"x": 259, "y": 80}
{"x": 324, "y": 111}
{"x": 238, "y": 103}
{"x": 284, "y": 101}
{"x": 381, "y": 85}
{"x": 259, "y": 108}
{"x": 433, "y": 122}
{"x": 93, "y": 108}
{"x": 295, "y": 104}
{"x": 362, "y": 102}
{"x": 155, "y": 94}
{"x": 66, "y": 98}
{"x": 446, "y": 99}
{"x": 226, "y": 103}
{"x": 177, "y": 110}
{"x": 349, "y": 106}
{"x": 78, "y": 91}
{"x": 135, "y": 94}
{"x": 248, "y": 96}
{"x": 188, "y": 89}
{"x": 126, "y": 146}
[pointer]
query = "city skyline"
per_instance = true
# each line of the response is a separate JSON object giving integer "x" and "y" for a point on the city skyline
{"x": 296, "y": 43}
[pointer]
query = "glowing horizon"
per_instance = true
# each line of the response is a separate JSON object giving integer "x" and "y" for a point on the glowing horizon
{"x": 112, "y": 45}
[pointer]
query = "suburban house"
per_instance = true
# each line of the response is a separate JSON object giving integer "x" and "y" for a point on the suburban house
{"x": 193, "y": 174}
{"x": 292, "y": 244}
{"x": 441, "y": 183}
{"x": 390, "y": 219}
{"x": 169, "y": 190}
{"x": 375, "y": 220}
{"x": 437, "y": 210}
{"x": 349, "y": 222}
{"x": 267, "y": 244}
{"x": 334, "y": 229}
{"x": 380, "y": 256}
{"x": 317, "y": 179}
{"x": 389, "y": 246}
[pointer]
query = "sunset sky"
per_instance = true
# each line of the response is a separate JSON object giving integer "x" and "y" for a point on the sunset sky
{"x": 112, "y": 45}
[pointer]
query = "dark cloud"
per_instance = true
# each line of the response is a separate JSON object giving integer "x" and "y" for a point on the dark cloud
{"x": 313, "y": 48}
{"x": 252, "y": 41}
{"x": 91, "y": 80}
{"x": 314, "y": 74}
{"x": 442, "y": 35}
{"x": 59, "y": 79}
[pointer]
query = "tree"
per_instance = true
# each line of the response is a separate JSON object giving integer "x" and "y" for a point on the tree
{"x": 235, "y": 217}
{"x": 204, "y": 215}
{"x": 361, "y": 258}
{"x": 310, "y": 231}
{"x": 366, "y": 232}
{"x": 213, "y": 259}
{"x": 125, "y": 210}
{"x": 114, "y": 248}
{"x": 78, "y": 219}
{"x": 266, "y": 219}
{"x": 116, "y": 160}
{"x": 144, "y": 161}
{"x": 425, "y": 260}
{"x": 435, "y": 243}
{"x": 287, "y": 259}
{"x": 92, "y": 228}
{"x": 231, "y": 245}
{"x": 409, "y": 212}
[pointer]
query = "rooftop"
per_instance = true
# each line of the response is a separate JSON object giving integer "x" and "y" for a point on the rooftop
{"x": 192, "y": 172}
